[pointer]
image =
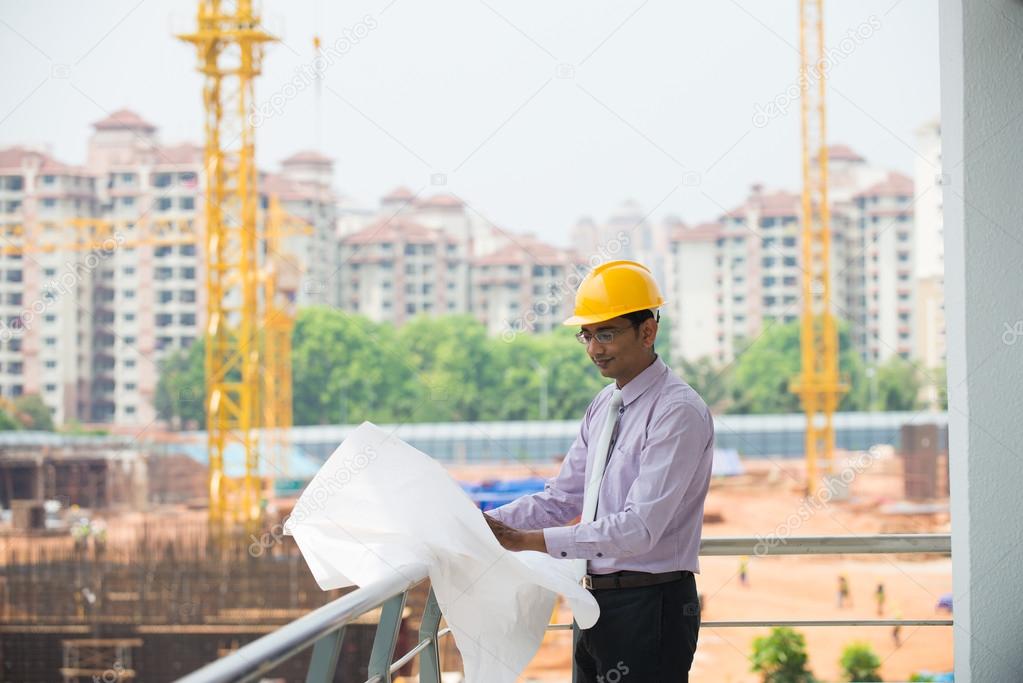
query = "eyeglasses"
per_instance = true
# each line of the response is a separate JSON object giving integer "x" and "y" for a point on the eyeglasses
{"x": 602, "y": 336}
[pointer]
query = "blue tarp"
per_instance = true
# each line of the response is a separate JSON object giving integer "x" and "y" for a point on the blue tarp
{"x": 491, "y": 494}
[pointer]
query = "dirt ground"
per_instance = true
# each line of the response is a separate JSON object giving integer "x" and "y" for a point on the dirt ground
{"x": 794, "y": 587}
{"x": 765, "y": 501}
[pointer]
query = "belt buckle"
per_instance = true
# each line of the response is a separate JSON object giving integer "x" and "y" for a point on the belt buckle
{"x": 587, "y": 582}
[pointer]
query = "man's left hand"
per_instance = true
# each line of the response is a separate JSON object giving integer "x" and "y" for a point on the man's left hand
{"x": 516, "y": 539}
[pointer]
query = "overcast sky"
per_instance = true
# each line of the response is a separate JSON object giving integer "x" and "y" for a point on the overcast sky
{"x": 536, "y": 112}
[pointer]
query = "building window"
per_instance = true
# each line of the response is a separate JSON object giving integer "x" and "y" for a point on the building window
{"x": 164, "y": 319}
{"x": 187, "y": 319}
{"x": 187, "y": 250}
{"x": 15, "y": 183}
{"x": 161, "y": 179}
{"x": 164, "y": 296}
{"x": 163, "y": 273}
{"x": 188, "y": 203}
{"x": 51, "y": 387}
{"x": 188, "y": 273}
{"x": 162, "y": 250}
{"x": 187, "y": 295}
{"x": 163, "y": 203}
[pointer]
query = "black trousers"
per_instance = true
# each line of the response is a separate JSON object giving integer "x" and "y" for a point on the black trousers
{"x": 643, "y": 635}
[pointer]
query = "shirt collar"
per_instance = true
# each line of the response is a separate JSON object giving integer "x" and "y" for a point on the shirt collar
{"x": 643, "y": 381}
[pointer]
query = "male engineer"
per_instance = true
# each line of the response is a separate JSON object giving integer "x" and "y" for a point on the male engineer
{"x": 636, "y": 477}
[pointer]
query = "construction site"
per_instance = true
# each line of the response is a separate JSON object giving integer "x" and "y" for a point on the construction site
{"x": 144, "y": 540}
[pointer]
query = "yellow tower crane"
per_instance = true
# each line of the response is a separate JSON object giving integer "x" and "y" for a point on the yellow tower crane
{"x": 280, "y": 279}
{"x": 229, "y": 41}
{"x": 819, "y": 386}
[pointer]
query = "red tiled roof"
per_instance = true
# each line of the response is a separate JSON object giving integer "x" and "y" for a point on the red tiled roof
{"x": 185, "y": 153}
{"x": 124, "y": 119}
{"x": 704, "y": 232}
{"x": 843, "y": 153}
{"x": 445, "y": 201}
{"x": 307, "y": 157}
{"x": 286, "y": 189}
{"x": 397, "y": 229}
{"x": 14, "y": 158}
{"x": 895, "y": 185}
{"x": 398, "y": 194}
{"x": 522, "y": 250}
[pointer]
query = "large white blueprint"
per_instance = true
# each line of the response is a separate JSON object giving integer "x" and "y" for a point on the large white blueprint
{"x": 379, "y": 506}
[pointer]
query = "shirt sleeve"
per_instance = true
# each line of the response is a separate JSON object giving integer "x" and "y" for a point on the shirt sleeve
{"x": 562, "y": 497}
{"x": 676, "y": 446}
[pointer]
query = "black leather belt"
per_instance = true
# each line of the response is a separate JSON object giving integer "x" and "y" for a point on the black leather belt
{"x": 629, "y": 579}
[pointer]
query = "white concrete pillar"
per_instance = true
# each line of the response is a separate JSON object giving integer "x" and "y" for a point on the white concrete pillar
{"x": 982, "y": 146}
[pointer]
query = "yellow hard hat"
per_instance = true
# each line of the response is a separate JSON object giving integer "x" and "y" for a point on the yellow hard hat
{"x": 613, "y": 289}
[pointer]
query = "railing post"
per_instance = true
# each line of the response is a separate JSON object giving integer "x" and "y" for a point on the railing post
{"x": 575, "y": 641}
{"x": 429, "y": 658}
{"x": 323, "y": 662}
{"x": 386, "y": 638}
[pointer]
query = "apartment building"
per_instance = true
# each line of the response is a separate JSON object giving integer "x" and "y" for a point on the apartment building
{"x": 929, "y": 235}
{"x": 88, "y": 329}
{"x": 729, "y": 279}
{"x": 46, "y": 302}
{"x": 525, "y": 286}
{"x": 884, "y": 253}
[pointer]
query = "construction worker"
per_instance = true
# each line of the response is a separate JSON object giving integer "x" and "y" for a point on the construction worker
{"x": 879, "y": 598}
{"x": 646, "y": 446}
{"x": 843, "y": 591}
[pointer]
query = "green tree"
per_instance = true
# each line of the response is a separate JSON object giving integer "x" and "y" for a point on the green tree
{"x": 764, "y": 369}
{"x": 346, "y": 368}
{"x": 709, "y": 379}
{"x": 898, "y": 385}
{"x": 860, "y": 663}
{"x": 33, "y": 413}
{"x": 8, "y": 423}
{"x": 781, "y": 657}
{"x": 181, "y": 389}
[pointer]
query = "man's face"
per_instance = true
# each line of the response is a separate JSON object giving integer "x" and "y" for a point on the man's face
{"x": 627, "y": 354}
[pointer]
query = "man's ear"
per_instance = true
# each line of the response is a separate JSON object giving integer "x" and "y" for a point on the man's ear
{"x": 649, "y": 331}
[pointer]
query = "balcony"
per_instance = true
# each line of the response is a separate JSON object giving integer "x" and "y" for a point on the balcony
{"x": 324, "y": 628}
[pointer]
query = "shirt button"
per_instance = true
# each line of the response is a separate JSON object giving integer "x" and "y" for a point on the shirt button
{"x": 563, "y": 553}
{"x": 600, "y": 554}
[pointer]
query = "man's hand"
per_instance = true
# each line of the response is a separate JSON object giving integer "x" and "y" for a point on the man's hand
{"x": 516, "y": 539}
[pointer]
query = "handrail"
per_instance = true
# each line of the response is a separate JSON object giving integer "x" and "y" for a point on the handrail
{"x": 324, "y": 627}
{"x": 263, "y": 654}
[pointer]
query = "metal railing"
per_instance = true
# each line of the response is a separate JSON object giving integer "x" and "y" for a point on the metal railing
{"x": 324, "y": 628}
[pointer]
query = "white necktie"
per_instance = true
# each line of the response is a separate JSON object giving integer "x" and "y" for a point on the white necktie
{"x": 597, "y": 470}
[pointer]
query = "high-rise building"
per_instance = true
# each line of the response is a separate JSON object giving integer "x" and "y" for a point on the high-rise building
{"x": 88, "y": 329}
{"x": 929, "y": 267}
{"x": 728, "y": 280}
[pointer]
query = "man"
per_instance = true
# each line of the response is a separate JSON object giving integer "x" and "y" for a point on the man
{"x": 637, "y": 476}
